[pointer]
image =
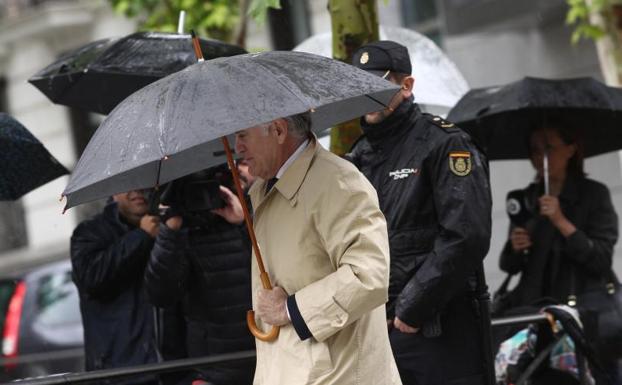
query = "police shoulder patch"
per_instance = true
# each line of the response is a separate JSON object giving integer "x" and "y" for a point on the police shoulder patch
{"x": 460, "y": 162}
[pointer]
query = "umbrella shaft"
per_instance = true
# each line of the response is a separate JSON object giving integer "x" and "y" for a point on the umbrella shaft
{"x": 545, "y": 173}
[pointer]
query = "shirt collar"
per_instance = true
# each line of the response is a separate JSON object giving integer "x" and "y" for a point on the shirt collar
{"x": 292, "y": 159}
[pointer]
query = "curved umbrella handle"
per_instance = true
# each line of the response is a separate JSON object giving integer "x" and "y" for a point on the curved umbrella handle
{"x": 260, "y": 335}
{"x": 263, "y": 275}
{"x": 250, "y": 316}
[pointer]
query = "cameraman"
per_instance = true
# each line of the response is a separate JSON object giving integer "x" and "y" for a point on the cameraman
{"x": 108, "y": 255}
{"x": 202, "y": 259}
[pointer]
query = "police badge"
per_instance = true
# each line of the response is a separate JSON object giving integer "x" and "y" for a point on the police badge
{"x": 460, "y": 162}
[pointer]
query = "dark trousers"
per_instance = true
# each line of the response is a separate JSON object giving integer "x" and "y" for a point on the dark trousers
{"x": 453, "y": 358}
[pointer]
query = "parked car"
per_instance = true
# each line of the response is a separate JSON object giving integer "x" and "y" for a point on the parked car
{"x": 40, "y": 323}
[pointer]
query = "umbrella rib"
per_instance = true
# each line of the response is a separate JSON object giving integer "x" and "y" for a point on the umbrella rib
{"x": 376, "y": 100}
{"x": 283, "y": 84}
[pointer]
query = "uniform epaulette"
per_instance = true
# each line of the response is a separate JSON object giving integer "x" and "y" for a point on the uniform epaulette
{"x": 442, "y": 123}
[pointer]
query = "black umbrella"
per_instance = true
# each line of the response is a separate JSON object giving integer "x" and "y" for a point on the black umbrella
{"x": 26, "y": 164}
{"x": 501, "y": 118}
{"x": 168, "y": 129}
{"x": 98, "y": 76}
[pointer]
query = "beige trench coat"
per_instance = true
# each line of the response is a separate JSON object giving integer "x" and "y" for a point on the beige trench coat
{"x": 324, "y": 239}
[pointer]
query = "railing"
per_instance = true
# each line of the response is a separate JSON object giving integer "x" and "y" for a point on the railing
{"x": 185, "y": 364}
{"x": 161, "y": 367}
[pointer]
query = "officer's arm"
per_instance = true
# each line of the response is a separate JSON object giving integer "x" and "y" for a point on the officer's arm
{"x": 459, "y": 178}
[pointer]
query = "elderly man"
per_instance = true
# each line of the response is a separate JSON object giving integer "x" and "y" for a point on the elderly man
{"x": 324, "y": 241}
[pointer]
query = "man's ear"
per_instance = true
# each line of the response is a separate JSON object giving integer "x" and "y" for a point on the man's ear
{"x": 280, "y": 130}
{"x": 407, "y": 86}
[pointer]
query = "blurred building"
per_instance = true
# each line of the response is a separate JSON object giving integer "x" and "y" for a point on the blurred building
{"x": 491, "y": 41}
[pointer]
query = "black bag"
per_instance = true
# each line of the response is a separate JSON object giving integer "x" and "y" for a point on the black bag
{"x": 601, "y": 312}
{"x": 502, "y": 298}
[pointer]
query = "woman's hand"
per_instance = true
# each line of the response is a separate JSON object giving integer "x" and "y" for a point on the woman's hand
{"x": 520, "y": 239}
{"x": 549, "y": 207}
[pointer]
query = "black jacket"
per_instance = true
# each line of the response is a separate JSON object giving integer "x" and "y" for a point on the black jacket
{"x": 556, "y": 267}
{"x": 208, "y": 269}
{"x": 439, "y": 222}
{"x": 108, "y": 258}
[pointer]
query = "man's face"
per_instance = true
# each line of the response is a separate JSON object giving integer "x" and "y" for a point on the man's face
{"x": 404, "y": 93}
{"x": 132, "y": 204}
{"x": 246, "y": 178}
{"x": 259, "y": 147}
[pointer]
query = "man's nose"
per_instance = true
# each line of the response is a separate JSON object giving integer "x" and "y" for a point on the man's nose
{"x": 238, "y": 147}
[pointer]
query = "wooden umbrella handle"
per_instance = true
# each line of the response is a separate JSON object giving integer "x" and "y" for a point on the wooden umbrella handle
{"x": 265, "y": 280}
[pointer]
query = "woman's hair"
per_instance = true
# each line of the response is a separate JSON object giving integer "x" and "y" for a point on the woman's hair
{"x": 568, "y": 133}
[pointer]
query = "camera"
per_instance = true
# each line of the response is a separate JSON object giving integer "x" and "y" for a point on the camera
{"x": 194, "y": 196}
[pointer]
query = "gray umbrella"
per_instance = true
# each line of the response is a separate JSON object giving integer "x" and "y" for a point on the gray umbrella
{"x": 168, "y": 129}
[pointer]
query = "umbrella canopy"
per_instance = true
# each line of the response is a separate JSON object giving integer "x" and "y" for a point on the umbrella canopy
{"x": 168, "y": 129}
{"x": 501, "y": 118}
{"x": 26, "y": 164}
{"x": 98, "y": 76}
{"x": 438, "y": 82}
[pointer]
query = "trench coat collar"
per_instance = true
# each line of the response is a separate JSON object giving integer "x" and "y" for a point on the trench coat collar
{"x": 291, "y": 180}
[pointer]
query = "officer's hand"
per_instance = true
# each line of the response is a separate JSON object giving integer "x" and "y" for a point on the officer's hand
{"x": 232, "y": 212}
{"x": 174, "y": 223}
{"x": 404, "y": 328}
{"x": 270, "y": 306}
{"x": 520, "y": 239}
{"x": 150, "y": 224}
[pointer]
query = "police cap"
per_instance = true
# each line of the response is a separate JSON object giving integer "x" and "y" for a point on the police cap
{"x": 382, "y": 56}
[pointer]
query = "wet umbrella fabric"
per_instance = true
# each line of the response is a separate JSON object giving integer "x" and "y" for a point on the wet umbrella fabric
{"x": 501, "y": 117}
{"x": 168, "y": 129}
{"x": 26, "y": 164}
{"x": 98, "y": 76}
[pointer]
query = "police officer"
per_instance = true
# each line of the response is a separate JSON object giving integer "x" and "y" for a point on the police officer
{"x": 432, "y": 182}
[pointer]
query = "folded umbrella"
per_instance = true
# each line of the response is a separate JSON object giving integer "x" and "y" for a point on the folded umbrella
{"x": 26, "y": 164}
{"x": 501, "y": 118}
{"x": 99, "y": 75}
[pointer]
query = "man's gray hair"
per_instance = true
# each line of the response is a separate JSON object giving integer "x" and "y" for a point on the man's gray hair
{"x": 299, "y": 125}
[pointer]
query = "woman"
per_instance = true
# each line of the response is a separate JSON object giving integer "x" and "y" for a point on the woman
{"x": 565, "y": 248}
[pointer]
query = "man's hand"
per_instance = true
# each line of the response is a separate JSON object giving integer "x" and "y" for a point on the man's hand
{"x": 174, "y": 223}
{"x": 232, "y": 212}
{"x": 404, "y": 328}
{"x": 270, "y": 306}
{"x": 520, "y": 239}
{"x": 150, "y": 224}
